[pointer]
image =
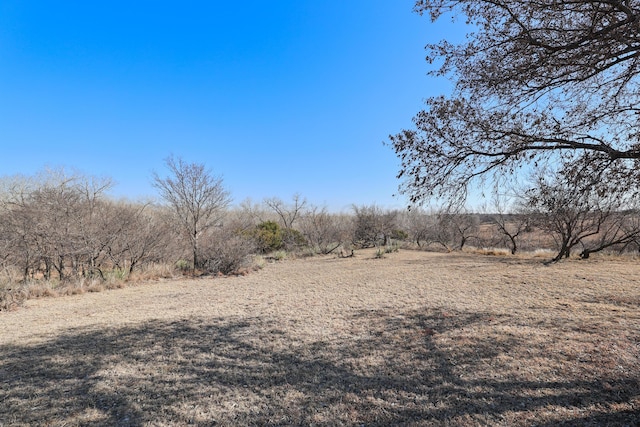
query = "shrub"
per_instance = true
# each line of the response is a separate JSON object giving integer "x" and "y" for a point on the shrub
{"x": 269, "y": 236}
{"x": 11, "y": 298}
{"x": 258, "y": 262}
{"x": 279, "y": 255}
{"x": 399, "y": 235}
{"x": 391, "y": 248}
{"x": 183, "y": 265}
{"x": 373, "y": 226}
{"x": 227, "y": 252}
{"x": 293, "y": 239}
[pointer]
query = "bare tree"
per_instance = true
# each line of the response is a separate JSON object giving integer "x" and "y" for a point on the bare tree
{"x": 140, "y": 235}
{"x": 16, "y": 228}
{"x": 197, "y": 197}
{"x": 510, "y": 223}
{"x": 16, "y": 225}
{"x": 575, "y": 217}
{"x": 632, "y": 223}
{"x": 248, "y": 214}
{"x": 453, "y": 229}
{"x": 288, "y": 214}
{"x": 621, "y": 229}
{"x": 373, "y": 225}
{"x": 322, "y": 229}
{"x": 535, "y": 82}
{"x": 419, "y": 224}
{"x": 96, "y": 226}
{"x": 55, "y": 223}
{"x": 66, "y": 208}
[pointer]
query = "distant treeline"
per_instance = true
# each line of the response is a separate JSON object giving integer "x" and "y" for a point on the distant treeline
{"x": 64, "y": 227}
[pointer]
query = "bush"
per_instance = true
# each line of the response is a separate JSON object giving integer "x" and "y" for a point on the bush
{"x": 373, "y": 226}
{"x": 279, "y": 255}
{"x": 11, "y": 298}
{"x": 183, "y": 265}
{"x": 227, "y": 253}
{"x": 293, "y": 239}
{"x": 394, "y": 247}
{"x": 399, "y": 235}
{"x": 269, "y": 236}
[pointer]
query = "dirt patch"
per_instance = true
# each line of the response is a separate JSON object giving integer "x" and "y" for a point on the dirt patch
{"x": 414, "y": 338}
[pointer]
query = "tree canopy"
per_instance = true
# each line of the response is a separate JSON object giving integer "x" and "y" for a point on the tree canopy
{"x": 538, "y": 83}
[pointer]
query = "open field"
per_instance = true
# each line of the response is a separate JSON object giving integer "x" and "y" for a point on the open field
{"x": 415, "y": 338}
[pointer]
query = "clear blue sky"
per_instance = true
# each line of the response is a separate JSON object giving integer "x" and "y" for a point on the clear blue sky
{"x": 278, "y": 97}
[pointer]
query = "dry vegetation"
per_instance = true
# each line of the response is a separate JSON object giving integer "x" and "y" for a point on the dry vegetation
{"x": 414, "y": 338}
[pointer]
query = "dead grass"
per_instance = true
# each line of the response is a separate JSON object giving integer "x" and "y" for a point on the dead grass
{"x": 414, "y": 338}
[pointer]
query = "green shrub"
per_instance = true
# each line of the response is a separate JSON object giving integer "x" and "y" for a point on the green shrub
{"x": 259, "y": 262}
{"x": 279, "y": 255}
{"x": 183, "y": 265}
{"x": 269, "y": 237}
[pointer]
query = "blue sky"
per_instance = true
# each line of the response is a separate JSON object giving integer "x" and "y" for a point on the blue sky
{"x": 279, "y": 97}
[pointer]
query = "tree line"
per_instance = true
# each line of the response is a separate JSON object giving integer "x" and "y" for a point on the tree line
{"x": 64, "y": 227}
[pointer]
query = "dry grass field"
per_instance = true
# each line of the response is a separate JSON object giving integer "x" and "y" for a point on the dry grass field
{"x": 413, "y": 339}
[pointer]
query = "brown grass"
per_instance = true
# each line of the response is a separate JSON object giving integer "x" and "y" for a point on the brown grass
{"x": 414, "y": 338}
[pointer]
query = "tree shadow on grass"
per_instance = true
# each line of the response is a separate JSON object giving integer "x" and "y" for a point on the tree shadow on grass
{"x": 388, "y": 370}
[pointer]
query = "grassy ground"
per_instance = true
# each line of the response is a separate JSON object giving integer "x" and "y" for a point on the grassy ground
{"x": 412, "y": 339}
